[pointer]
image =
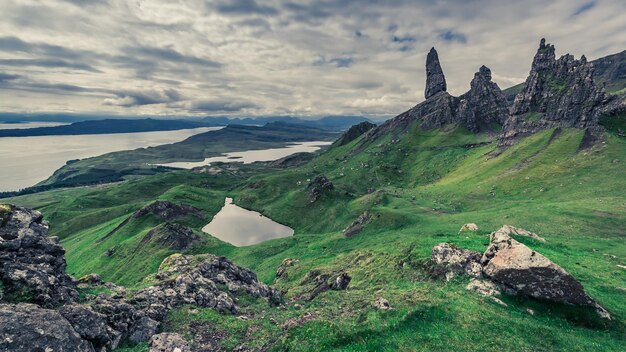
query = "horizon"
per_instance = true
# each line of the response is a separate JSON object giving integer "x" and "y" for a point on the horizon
{"x": 279, "y": 59}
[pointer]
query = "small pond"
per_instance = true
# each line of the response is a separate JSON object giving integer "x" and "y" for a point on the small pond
{"x": 242, "y": 227}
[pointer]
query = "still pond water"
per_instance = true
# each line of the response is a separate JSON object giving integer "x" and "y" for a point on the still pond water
{"x": 250, "y": 156}
{"x": 242, "y": 227}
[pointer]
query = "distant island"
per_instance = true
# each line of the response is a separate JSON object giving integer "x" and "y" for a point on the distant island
{"x": 108, "y": 126}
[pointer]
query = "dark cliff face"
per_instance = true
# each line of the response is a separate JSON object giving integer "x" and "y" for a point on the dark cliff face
{"x": 478, "y": 110}
{"x": 484, "y": 104}
{"x": 435, "y": 80}
{"x": 557, "y": 93}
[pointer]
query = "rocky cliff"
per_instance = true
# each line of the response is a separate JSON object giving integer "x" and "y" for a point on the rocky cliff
{"x": 557, "y": 93}
{"x": 480, "y": 109}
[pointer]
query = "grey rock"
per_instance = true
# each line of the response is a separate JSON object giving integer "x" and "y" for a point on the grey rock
{"x": 478, "y": 110}
{"x": 484, "y": 104}
{"x": 511, "y": 230}
{"x": 353, "y": 133}
{"x": 324, "y": 281}
{"x": 319, "y": 186}
{"x": 172, "y": 235}
{"x": 91, "y": 326}
{"x": 557, "y": 93}
{"x": 520, "y": 270}
{"x": 382, "y": 304}
{"x": 32, "y": 265}
{"x": 28, "y": 327}
{"x": 168, "y": 211}
{"x": 168, "y": 342}
{"x": 142, "y": 329}
{"x": 281, "y": 272}
{"x": 450, "y": 260}
{"x": 357, "y": 225}
{"x": 435, "y": 79}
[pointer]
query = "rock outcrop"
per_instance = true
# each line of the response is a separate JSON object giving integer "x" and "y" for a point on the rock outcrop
{"x": 482, "y": 108}
{"x": 28, "y": 327}
{"x": 172, "y": 235}
{"x": 484, "y": 104}
{"x": 435, "y": 80}
{"x": 353, "y": 133}
{"x": 32, "y": 268}
{"x": 323, "y": 281}
{"x": 32, "y": 265}
{"x": 168, "y": 211}
{"x": 319, "y": 186}
{"x": 557, "y": 93}
{"x": 512, "y": 267}
{"x": 357, "y": 225}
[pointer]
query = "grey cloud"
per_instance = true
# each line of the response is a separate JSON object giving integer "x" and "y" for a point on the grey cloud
{"x": 244, "y": 7}
{"x": 15, "y": 44}
{"x": 172, "y": 55}
{"x": 211, "y": 106}
{"x": 139, "y": 98}
{"x": 4, "y": 77}
{"x": 584, "y": 8}
{"x": 452, "y": 36}
{"x": 50, "y": 63}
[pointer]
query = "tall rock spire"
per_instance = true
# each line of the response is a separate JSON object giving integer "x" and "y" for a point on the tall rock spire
{"x": 435, "y": 80}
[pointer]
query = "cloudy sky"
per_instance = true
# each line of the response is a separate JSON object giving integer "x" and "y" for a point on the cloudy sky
{"x": 253, "y": 57}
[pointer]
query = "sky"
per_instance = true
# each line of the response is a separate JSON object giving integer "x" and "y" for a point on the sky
{"x": 264, "y": 58}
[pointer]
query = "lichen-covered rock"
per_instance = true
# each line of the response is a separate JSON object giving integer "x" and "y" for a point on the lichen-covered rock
{"x": 168, "y": 342}
{"x": 198, "y": 280}
{"x": 469, "y": 227}
{"x": 521, "y": 270}
{"x": 557, "y": 93}
{"x": 435, "y": 79}
{"x": 32, "y": 265}
{"x": 450, "y": 260}
{"x": 91, "y": 326}
{"x": 28, "y": 328}
{"x": 511, "y": 230}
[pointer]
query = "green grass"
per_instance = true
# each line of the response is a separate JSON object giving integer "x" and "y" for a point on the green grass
{"x": 426, "y": 186}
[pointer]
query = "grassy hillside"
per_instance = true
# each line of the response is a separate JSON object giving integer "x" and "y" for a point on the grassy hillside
{"x": 419, "y": 188}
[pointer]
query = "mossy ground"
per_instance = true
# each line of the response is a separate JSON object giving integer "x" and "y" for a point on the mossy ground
{"x": 426, "y": 185}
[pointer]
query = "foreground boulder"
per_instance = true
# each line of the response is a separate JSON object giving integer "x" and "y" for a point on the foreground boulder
{"x": 521, "y": 270}
{"x": 32, "y": 265}
{"x": 512, "y": 267}
{"x": 28, "y": 328}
